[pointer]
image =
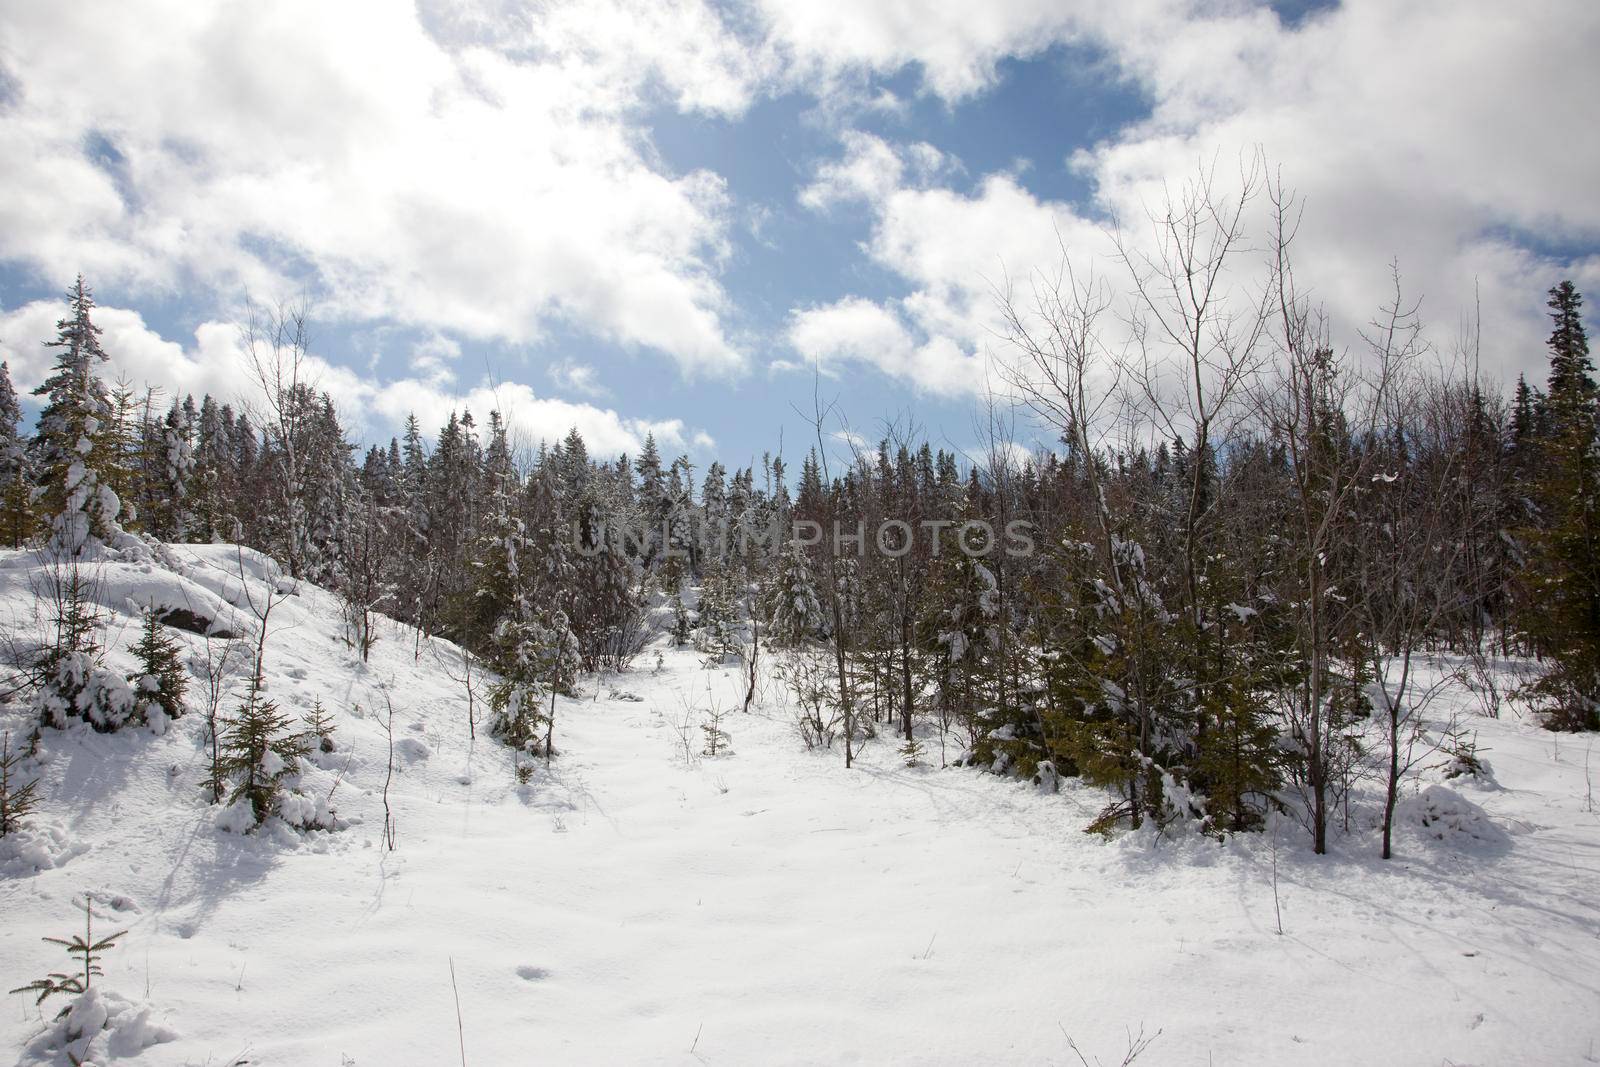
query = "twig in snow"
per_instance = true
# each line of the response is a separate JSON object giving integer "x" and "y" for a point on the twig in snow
{"x": 1588, "y": 781}
{"x": 1275, "y": 906}
{"x": 388, "y": 816}
{"x": 461, "y": 1034}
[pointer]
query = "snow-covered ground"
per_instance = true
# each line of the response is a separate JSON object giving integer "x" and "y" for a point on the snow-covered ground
{"x": 765, "y": 906}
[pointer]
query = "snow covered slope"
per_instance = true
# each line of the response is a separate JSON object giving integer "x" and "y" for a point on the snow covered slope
{"x": 630, "y": 905}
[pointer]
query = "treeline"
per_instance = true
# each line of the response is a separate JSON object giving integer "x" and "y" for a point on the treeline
{"x": 1222, "y": 605}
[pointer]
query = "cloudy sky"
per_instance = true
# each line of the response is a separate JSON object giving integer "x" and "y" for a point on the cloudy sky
{"x": 665, "y": 215}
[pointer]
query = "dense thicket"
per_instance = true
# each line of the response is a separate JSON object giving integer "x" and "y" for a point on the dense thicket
{"x": 1196, "y": 614}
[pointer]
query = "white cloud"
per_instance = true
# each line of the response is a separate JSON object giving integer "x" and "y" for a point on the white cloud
{"x": 449, "y": 186}
{"x": 482, "y": 169}
{"x": 956, "y": 43}
{"x": 857, "y": 330}
{"x": 871, "y": 169}
{"x": 575, "y": 377}
{"x": 217, "y": 364}
{"x": 1401, "y": 152}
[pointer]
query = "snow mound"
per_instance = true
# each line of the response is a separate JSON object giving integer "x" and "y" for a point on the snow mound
{"x": 38, "y": 846}
{"x": 1439, "y": 813}
{"x": 97, "y": 1026}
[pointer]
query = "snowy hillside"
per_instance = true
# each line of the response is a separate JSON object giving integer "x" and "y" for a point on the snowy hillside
{"x": 638, "y": 902}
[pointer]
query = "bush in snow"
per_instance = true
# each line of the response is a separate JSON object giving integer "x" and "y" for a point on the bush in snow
{"x": 1442, "y": 814}
{"x": 77, "y": 687}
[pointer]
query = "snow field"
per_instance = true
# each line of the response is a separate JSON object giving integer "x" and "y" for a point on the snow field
{"x": 767, "y": 906}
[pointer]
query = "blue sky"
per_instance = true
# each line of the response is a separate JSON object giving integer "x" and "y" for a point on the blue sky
{"x": 663, "y": 217}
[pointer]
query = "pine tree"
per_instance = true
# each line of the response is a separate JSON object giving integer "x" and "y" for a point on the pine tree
{"x": 86, "y": 952}
{"x": 793, "y": 608}
{"x": 170, "y": 471}
{"x": 1563, "y": 613}
{"x": 74, "y": 684}
{"x": 16, "y": 495}
{"x": 259, "y": 749}
{"x": 72, "y": 445}
{"x": 18, "y": 799}
{"x": 161, "y": 680}
{"x": 318, "y": 728}
{"x": 128, "y": 456}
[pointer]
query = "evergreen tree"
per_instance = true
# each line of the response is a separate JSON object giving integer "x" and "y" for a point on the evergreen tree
{"x": 16, "y": 494}
{"x": 18, "y": 799}
{"x": 161, "y": 681}
{"x": 258, "y": 751}
{"x": 75, "y": 686}
{"x": 72, "y": 443}
{"x": 1563, "y": 610}
{"x": 318, "y": 732}
{"x": 794, "y": 610}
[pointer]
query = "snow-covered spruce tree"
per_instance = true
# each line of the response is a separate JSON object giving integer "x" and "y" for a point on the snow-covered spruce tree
{"x": 1563, "y": 609}
{"x": 213, "y": 485}
{"x": 72, "y": 438}
{"x": 259, "y": 750}
{"x": 718, "y": 632}
{"x": 161, "y": 680}
{"x": 794, "y": 609}
{"x": 965, "y": 633}
{"x": 169, "y": 465}
{"x": 651, "y": 502}
{"x": 128, "y": 458}
{"x": 1116, "y": 716}
{"x": 18, "y": 799}
{"x": 536, "y": 656}
{"x": 74, "y": 685}
{"x": 16, "y": 492}
{"x": 711, "y": 546}
{"x": 531, "y": 645}
{"x": 608, "y": 611}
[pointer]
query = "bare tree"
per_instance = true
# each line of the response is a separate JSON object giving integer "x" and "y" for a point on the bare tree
{"x": 841, "y": 636}
{"x": 1411, "y": 554}
{"x": 277, "y": 347}
{"x": 1316, "y": 403}
{"x": 1198, "y": 341}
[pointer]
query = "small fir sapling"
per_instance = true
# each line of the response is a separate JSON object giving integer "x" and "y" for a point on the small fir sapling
{"x": 73, "y": 683}
{"x": 161, "y": 682}
{"x": 18, "y": 799}
{"x": 259, "y": 750}
{"x": 258, "y": 747}
{"x": 85, "y": 951}
{"x": 717, "y": 741}
{"x": 318, "y": 728}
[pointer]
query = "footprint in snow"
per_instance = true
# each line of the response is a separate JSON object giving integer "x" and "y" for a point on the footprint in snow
{"x": 529, "y": 973}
